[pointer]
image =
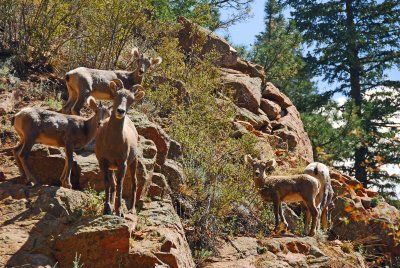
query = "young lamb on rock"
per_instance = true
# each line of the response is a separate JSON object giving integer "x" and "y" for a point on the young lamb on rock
{"x": 82, "y": 82}
{"x": 294, "y": 188}
{"x": 37, "y": 125}
{"x": 117, "y": 145}
{"x": 325, "y": 196}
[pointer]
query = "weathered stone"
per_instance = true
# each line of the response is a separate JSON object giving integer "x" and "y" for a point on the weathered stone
{"x": 281, "y": 252}
{"x": 272, "y": 109}
{"x": 245, "y": 91}
{"x": 164, "y": 230}
{"x": 174, "y": 174}
{"x": 240, "y": 129}
{"x": 270, "y": 92}
{"x": 292, "y": 122}
{"x": 153, "y": 132}
{"x": 289, "y": 137}
{"x": 175, "y": 150}
{"x": 193, "y": 34}
{"x": 257, "y": 121}
{"x": 90, "y": 237}
{"x": 249, "y": 68}
{"x": 42, "y": 226}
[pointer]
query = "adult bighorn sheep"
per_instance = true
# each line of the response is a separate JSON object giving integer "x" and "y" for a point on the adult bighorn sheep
{"x": 325, "y": 196}
{"x": 116, "y": 145}
{"x": 83, "y": 82}
{"x": 293, "y": 188}
{"x": 37, "y": 125}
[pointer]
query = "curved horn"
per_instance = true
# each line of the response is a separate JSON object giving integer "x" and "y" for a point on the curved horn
{"x": 136, "y": 88}
{"x": 118, "y": 82}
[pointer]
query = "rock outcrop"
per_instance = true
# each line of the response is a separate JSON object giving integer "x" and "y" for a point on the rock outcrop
{"x": 44, "y": 226}
{"x": 282, "y": 252}
{"x": 364, "y": 218}
{"x": 259, "y": 102}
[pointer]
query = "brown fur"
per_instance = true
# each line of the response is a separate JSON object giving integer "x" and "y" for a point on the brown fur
{"x": 36, "y": 125}
{"x": 295, "y": 188}
{"x": 116, "y": 146}
{"x": 83, "y": 82}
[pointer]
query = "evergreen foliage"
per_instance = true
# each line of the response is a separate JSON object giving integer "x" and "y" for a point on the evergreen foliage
{"x": 352, "y": 43}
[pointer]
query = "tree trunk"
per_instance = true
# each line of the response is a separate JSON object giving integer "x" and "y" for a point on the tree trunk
{"x": 360, "y": 152}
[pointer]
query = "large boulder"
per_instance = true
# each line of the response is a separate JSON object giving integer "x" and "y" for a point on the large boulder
{"x": 51, "y": 226}
{"x": 372, "y": 221}
{"x": 192, "y": 34}
{"x": 153, "y": 132}
{"x": 272, "y": 109}
{"x": 86, "y": 172}
{"x": 173, "y": 171}
{"x": 90, "y": 238}
{"x": 270, "y": 92}
{"x": 243, "y": 89}
{"x": 295, "y": 134}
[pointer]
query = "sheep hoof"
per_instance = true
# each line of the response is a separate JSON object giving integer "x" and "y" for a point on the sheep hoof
{"x": 30, "y": 183}
{"x": 312, "y": 233}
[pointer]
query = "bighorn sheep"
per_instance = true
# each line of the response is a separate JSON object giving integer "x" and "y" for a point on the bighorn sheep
{"x": 37, "y": 125}
{"x": 82, "y": 82}
{"x": 116, "y": 145}
{"x": 325, "y": 196}
{"x": 294, "y": 188}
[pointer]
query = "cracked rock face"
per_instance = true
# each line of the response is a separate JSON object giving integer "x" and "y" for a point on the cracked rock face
{"x": 44, "y": 225}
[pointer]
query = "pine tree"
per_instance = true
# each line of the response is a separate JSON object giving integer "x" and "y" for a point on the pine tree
{"x": 352, "y": 43}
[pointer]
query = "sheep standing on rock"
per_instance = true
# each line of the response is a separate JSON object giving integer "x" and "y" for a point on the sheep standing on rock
{"x": 83, "y": 82}
{"x": 37, "y": 125}
{"x": 294, "y": 188}
{"x": 325, "y": 196}
{"x": 117, "y": 145}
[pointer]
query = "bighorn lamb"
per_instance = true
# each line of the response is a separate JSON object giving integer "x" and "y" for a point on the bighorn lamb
{"x": 37, "y": 125}
{"x": 294, "y": 188}
{"x": 116, "y": 145}
{"x": 82, "y": 82}
{"x": 325, "y": 196}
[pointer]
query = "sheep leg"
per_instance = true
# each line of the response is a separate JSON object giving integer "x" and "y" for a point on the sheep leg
{"x": 104, "y": 168}
{"x": 66, "y": 177}
{"x": 17, "y": 160}
{"x": 133, "y": 168}
{"x": 23, "y": 155}
{"x": 120, "y": 180}
{"x": 66, "y": 109}
{"x": 313, "y": 210}
{"x": 307, "y": 218}
{"x": 282, "y": 216}
{"x": 276, "y": 200}
{"x": 111, "y": 175}
{"x": 80, "y": 101}
{"x": 324, "y": 218}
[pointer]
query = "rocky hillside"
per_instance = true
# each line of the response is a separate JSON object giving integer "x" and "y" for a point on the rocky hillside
{"x": 45, "y": 226}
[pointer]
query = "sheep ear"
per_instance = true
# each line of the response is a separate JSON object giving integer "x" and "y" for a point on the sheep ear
{"x": 139, "y": 95}
{"x": 156, "y": 61}
{"x": 248, "y": 159}
{"x": 135, "y": 52}
{"x": 113, "y": 88}
{"x": 92, "y": 103}
{"x": 272, "y": 164}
